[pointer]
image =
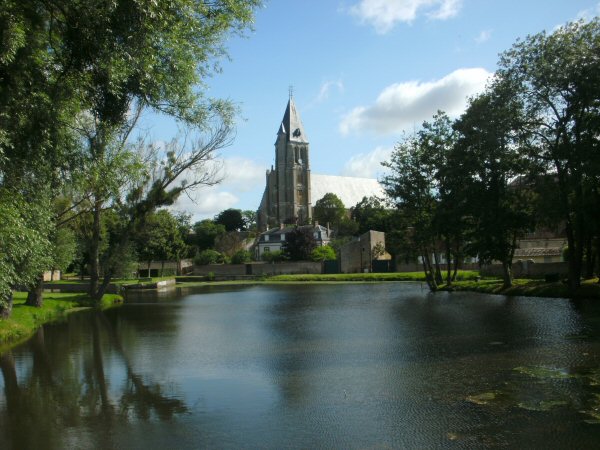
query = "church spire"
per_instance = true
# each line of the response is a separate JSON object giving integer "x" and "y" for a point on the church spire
{"x": 291, "y": 125}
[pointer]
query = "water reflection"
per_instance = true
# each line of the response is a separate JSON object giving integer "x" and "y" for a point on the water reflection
{"x": 71, "y": 388}
{"x": 342, "y": 366}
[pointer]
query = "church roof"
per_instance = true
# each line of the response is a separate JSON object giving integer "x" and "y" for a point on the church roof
{"x": 350, "y": 190}
{"x": 291, "y": 125}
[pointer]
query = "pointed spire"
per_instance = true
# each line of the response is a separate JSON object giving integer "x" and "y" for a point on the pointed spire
{"x": 291, "y": 125}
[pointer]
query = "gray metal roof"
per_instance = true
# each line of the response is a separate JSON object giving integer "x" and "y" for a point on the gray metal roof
{"x": 350, "y": 190}
{"x": 291, "y": 125}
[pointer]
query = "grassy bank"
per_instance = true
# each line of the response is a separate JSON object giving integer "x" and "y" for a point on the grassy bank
{"x": 342, "y": 277}
{"x": 528, "y": 288}
{"x": 24, "y": 319}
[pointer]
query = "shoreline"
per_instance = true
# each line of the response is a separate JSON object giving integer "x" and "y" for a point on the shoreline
{"x": 25, "y": 320}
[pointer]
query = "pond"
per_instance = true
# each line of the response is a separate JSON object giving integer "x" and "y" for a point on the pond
{"x": 304, "y": 366}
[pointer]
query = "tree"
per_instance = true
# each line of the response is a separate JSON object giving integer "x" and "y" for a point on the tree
{"x": 230, "y": 243}
{"x": 231, "y": 219}
{"x": 329, "y": 210}
{"x": 241, "y": 257}
{"x": 205, "y": 233}
{"x": 250, "y": 220}
{"x": 299, "y": 244}
{"x": 491, "y": 156}
{"x": 160, "y": 238}
{"x": 372, "y": 214}
{"x": 323, "y": 253}
{"x": 209, "y": 256}
{"x": 556, "y": 77}
{"x": 24, "y": 245}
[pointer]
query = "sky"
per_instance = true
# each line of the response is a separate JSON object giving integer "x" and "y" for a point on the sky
{"x": 364, "y": 72}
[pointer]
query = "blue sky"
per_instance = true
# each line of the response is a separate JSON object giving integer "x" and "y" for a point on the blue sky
{"x": 363, "y": 72}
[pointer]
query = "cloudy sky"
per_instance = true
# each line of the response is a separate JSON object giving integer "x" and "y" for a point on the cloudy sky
{"x": 363, "y": 73}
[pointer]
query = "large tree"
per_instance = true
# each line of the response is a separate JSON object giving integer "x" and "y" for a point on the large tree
{"x": 329, "y": 210}
{"x": 489, "y": 157}
{"x": 556, "y": 76}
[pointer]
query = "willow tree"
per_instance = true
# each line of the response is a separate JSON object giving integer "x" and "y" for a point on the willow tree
{"x": 130, "y": 55}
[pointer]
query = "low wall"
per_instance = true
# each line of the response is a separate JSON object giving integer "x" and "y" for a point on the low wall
{"x": 527, "y": 269}
{"x": 258, "y": 269}
{"x": 286, "y": 268}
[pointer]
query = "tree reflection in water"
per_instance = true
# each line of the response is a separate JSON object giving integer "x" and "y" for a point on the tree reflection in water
{"x": 44, "y": 396}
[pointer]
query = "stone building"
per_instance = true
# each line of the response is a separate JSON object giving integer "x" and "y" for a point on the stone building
{"x": 291, "y": 189}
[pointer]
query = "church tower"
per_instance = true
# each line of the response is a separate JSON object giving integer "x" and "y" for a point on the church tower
{"x": 287, "y": 196}
{"x": 293, "y": 169}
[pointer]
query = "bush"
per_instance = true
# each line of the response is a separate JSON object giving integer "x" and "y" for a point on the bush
{"x": 208, "y": 256}
{"x": 241, "y": 257}
{"x": 274, "y": 256}
{"x": 323, "y": 253}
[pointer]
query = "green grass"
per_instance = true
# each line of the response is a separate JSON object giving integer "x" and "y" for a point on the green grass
{"x": 24, "y": 319}
{"x": 343, "y": 277}
{"x": 529, "y": 288}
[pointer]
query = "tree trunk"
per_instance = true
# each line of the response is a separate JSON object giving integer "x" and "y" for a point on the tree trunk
{"x": 448, "y": 265}
{"x": 6, "y": 305}
{"x": 589, "y": 259}
{"x": 35, "y": 296}
{"x": 506, "y": 274}
{"x": 95, "y": 250}
{"x": 149, "y": 265}
{"x": 428, "y": 269}
{"x": 97, "y": 297}
{"x": 438, "y": 272}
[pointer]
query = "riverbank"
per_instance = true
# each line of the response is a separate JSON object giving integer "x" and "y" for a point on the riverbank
{"x": 25, "y": 320}
{"x": 527, "y": 288}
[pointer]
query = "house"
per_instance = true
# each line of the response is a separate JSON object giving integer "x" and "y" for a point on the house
{"x": 359, "y": 254}
{"x": 273, "y": 239}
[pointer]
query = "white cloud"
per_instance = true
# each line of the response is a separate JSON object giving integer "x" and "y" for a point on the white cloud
{"x": 404, "y": 105}
{"x": 367, "y": 165}
{"x": 326, "y": 88}
{"x": 384, "y": 14}
{"x": 484, "y": 36}
{"x": 589, "y": 14}
{"x": 239, "y": 175}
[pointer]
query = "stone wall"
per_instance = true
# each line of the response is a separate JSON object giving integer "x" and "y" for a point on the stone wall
{"x": 258, "y": 269}
{"x": 528, "y": 269}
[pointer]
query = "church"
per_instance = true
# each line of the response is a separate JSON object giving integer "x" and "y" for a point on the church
{"x": 291, "y": 189}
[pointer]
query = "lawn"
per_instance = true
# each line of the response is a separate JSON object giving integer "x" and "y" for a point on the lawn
{"x": 24, "y": 319}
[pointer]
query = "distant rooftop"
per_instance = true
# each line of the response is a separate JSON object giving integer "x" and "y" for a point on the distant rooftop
{"x": 350, "y": 190}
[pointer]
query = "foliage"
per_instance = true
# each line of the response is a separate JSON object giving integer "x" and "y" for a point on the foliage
{"x": 64, "y": 248}
{"x": 556, "y": 77}
{"x": 323, "y": 253}
{"x": 24, "y": 245}
{"x": 231, "y": 219}
{"x": 329, "y": 210}
{"x": 160, "y": 238}
{"x": 372, "y": 214}
{"x": 208, "y": 256}
{"x": 205, "y": 233}
{"x": 230, "y": 243}
{"x": 250, "y": 220}
{"x": 274, "y": 256}
{"x": 241, "y": 257}
{"x": 299, "y": 243}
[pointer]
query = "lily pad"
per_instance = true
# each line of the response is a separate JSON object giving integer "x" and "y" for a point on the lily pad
{"x": 542, "y": 405}
{"x": 482, "y": 399}
{"x": 543, "y": 372}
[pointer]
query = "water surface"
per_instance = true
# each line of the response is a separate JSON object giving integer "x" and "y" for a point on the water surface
{"x": 308, "y": 366}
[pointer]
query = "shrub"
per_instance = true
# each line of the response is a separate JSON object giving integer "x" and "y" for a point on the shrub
{"x": 241, "y": 257}
{"x": 208, "y": 256}
{"x": 274, "y": 256}
{"x": 323, "y": 253}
